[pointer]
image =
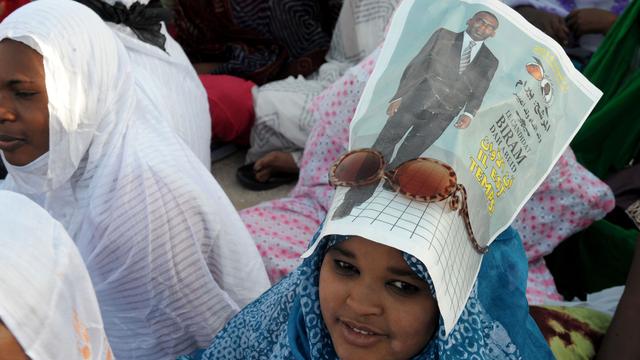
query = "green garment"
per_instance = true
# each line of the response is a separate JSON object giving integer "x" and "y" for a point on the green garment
{"x": 607, "y": 142}
{"x": 609, "y": 138}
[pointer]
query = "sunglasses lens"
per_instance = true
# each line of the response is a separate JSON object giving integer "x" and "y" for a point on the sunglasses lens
{"x": 358, "y": 166}
{"x": 424, "y": 178}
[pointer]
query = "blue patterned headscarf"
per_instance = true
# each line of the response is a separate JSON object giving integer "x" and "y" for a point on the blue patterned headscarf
{"x": 286, "y": 323}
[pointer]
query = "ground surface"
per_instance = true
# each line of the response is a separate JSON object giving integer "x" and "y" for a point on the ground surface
{"x": 225, "y": 172}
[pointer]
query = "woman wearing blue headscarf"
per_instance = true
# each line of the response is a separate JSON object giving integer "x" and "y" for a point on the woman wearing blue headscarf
{"x": 355, "y": 298}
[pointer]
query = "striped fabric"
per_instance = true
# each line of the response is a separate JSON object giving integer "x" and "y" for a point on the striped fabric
{"x": 465, "y": 58}
{"x": 169, "y": 257}
{"x": 257, "y": 40}
{"x": 170, "y": 83}
{"x": 46, "y": 297}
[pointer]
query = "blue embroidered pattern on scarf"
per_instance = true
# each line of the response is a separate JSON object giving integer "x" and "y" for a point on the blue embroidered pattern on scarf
{"x": 270, "y": 327}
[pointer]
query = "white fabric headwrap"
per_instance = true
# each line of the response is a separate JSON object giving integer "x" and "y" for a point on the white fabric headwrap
{"x": 168, "y": 255}
{"x": 46, "y": 297}
{"x": 171, "y": 84}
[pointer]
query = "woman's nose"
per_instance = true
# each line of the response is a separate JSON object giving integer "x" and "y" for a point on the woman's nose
{"x": 6, "y": 110}
{"x": 364, "y": 300}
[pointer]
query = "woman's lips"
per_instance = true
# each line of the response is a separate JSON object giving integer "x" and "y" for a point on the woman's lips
{"x": 10, "y": 143}
{"x": 359, "y": 335}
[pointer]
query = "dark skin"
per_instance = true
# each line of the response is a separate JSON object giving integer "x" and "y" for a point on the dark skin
{"x": 374, "y": 309}
{"x": 551, "y": 24}
{"x": 10, "y": 349}
{"x": 622, "y": 340}
{"x": 281, "y": 162}
{"x": 579, "y": 22}
{"x": 590, "y": 21}
{"x": 24, "y": 112}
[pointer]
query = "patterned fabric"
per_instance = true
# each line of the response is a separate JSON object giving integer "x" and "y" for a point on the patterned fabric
{"x": 573, "y": 333}
{"x": 255, "y": 39}
{"x": 569, "y": 200}
{"x": 283, "y": 117}
{"x": 286, "y": 322}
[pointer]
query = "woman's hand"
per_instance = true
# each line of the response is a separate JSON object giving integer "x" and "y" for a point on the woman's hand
{"x": 551, "y": 24}
{"x": 393, "y": 107}
{"x": 590, "y": 21}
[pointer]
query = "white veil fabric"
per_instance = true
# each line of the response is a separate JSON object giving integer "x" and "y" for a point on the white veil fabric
{"x": 171, "y": 84}
{"x": 168, "y": 255}
{"x": 46, "y": 297}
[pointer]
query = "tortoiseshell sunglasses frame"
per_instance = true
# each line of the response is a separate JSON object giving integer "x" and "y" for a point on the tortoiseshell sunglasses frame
{"x": 456, "y": 193}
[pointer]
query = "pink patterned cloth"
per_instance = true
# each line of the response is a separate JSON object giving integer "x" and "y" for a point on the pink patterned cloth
{"x": 282, "y": 228}
{"x": 569, "y": 199}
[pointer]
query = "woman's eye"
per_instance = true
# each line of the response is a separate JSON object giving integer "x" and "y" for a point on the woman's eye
{"x": 403, "y": 288}
{"x": 345, "y": 268}
{"x": 25, "y": 94}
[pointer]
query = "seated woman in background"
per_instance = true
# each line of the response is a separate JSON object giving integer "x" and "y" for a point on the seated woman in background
{"x": 578, "y": 25}
{"x": 168, "y": 255}
{"x": 161, "y": 69}
{"x": 48, "y": 308}
{"x": 340, "y": 304}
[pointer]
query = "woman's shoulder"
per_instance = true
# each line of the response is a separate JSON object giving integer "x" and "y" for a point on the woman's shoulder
{"x": 261, "y": 329}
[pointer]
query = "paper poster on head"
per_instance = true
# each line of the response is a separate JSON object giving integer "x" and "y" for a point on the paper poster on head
{"x": 467, "y": 110}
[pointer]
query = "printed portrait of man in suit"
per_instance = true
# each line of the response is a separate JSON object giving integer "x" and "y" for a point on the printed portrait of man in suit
{"x": 446, "y": 81}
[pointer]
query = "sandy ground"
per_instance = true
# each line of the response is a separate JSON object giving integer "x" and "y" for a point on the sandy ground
{"x": 225, "y": 172}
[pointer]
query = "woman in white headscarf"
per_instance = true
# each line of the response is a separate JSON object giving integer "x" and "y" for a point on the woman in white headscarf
{"x": 48, "y": 308}
{"x": 168, "y": 255}
{"x": 162, "y": 71}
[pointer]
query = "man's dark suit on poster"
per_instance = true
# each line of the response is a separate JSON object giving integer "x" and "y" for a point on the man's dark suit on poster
{"x": 434, "y": 88}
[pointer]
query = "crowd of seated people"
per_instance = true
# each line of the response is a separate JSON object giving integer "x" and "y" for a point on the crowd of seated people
{"x": 120, "y": 244}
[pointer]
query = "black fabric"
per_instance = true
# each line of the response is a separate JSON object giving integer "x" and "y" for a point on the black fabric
{"x": 257, "y": 40}
{"x": 143, "y": 20}
{"x": 3, "y": 170}
{"x": 625, "y": 185}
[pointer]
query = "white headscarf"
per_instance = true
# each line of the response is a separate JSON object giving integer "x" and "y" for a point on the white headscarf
{"x": 170, "y": 83}
{"x": 46, "y": 297}
{"x": 168, "y": 255}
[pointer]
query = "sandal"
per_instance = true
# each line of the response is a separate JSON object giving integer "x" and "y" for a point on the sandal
{"x": 247, "y": 177}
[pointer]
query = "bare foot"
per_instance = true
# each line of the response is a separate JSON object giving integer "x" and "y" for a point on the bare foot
{"x": 275, "y": 162}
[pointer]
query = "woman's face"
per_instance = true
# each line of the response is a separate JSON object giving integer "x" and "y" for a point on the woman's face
{"x": 9, "y": 347}
{"x": 373, "y": 304}
{"x": 24, "y": 115}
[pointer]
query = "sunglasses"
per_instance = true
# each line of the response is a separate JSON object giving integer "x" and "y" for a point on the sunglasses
{"x": 421, "y": 179}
